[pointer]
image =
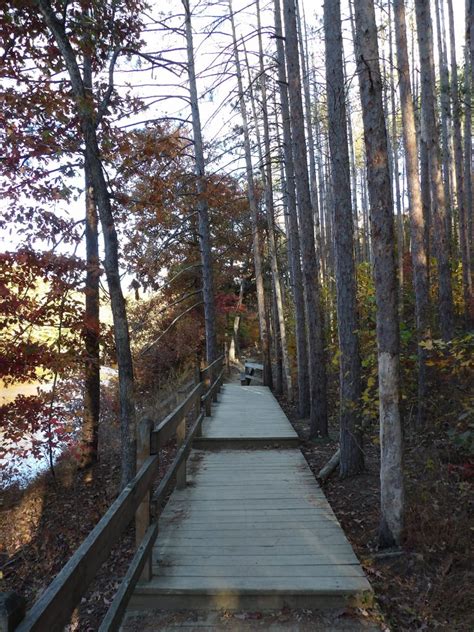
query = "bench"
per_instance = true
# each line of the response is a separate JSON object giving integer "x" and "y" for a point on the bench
{"x": 249, "y": 373}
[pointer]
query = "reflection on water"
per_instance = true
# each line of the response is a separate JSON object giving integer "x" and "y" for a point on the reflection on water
{"x": 24, "y": 466}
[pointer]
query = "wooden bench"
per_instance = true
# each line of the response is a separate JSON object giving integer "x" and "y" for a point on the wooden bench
{"x": 249, "y": 373}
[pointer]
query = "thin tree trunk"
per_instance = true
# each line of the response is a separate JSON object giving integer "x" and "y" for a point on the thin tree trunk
{"x": 90, "y": 422}
{"x": 417, "y": 220}
{"x": 352, "y": 456}
{"x": 314, "y": 315}
{"x": 313, "y": 183}
{"x": 234, "y": 347}
{"x": 445, "y": 111}
{"x": 202, "y": 205}
{"x": 458, "y": 162}
{"x": 86, "y": 112}
{"x": 293, "y": 236}
{"x": 257, "y": 255}
{"x": 391, "y": 445}
{"x": 430, "y": 134}
{"x": 395, "y": 166}
{"x": 270, "y": 214}
{"x": 469, "y": 87}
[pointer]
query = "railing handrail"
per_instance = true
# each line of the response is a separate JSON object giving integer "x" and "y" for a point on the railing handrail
{"x": 53, "y": 609}
{"x": 211, "y": 366}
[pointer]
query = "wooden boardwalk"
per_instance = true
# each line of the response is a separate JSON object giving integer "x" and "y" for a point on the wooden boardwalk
{"x": 247, "y": 416}
{"x": 252, "y": 529}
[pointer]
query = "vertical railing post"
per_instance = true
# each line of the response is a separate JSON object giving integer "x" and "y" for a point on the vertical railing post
{"x": 142, "y": 516}
{"x": 180, "y": 437}
{"x": 215, "y": 372}
{"x": 226, "y": 358}
{"x": 207, "y": 386}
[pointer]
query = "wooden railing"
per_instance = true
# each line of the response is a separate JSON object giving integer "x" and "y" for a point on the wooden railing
{"x": 54, "y": 608}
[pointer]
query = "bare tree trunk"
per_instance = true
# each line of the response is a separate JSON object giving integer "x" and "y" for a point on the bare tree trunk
{"x": 91, "y": 332}
{"x": 234, "y": 347}
{"x": 352, "y": 456}
{"x": 458, "y": 162}
{"x": 202, "y": 205}
{"x": 469, "y": 87}
{"x": 86, "y": 113}
{"x": 257, "y": 255}
{"x": 395, "y": 166}
{"x": 314, "y": 315}
{"x": 313, "y": 183}
{"x": 426, "y": 199}
{"x": 293, "y": 236}
{"x": 391, "y": 444}
{"x": 445, "y": 111}
{"x": 430, "y": 134}
{"x": 417, "y": 220}
{"x": 90, "y": 423}
{"x": 270, "y": 214}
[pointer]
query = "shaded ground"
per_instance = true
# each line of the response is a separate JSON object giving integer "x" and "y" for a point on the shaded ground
{"x": 429, "y": 585}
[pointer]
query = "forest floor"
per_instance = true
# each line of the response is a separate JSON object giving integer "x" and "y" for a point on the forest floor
{"x": 429, "y": 583}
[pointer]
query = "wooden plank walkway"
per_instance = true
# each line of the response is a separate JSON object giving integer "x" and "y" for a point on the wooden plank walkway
{"x": 252, "y": 530}
{"x": 247, "y": 416}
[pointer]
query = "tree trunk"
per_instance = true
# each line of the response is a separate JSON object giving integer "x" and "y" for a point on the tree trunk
{"x": 314, "y": 315}
{"x": 202, "y": 205}
{"x": 382, "y": 229}
{"x": 445, "y": 111}
{"x": 417, "y": 220}
{"x": 270, "y": 215}
{"x": 430, "y": 135}
{"x": 458, "y": 162}
{"x": 352, "y": 456}
{"x": 293, "y": 236}
{"x": 90, "y": 422}
{"x": 257, "y": 255}
{"x": 234, "y": 347}
{"x": 395, "y": 166}
{"x": 85, "y": 109}
{"x": 469, "y": 87}
{"x": 91, "y": 333}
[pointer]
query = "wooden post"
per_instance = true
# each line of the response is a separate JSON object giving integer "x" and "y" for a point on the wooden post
{"x": 215, "y": 370}
{"x": 226, "y": 358}
{"x": 197, "y": 408}
{"x": 142, "y": 516}
{"x": 180, "y": 437}
{"x": 207, "y": 386}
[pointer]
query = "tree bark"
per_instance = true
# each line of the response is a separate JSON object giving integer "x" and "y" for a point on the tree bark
{"x": 417, "y": 220}
{"x": 293, "y": 236}
{"x": 91, "y": 332}
{"x": 234, "y": 347}
{"x": 314, "y": 315}
{"x": 90, "y": 422}
{"x": 352, "y": 456}
{"x": 86, "y": 113}
{"x": 430, "y": 135}
{"x": 382, "y": 229}
{"x": 252, "y": 198}
{"x": 445, "y": 111}
{"x": 270, "y": 215}
{"x": 202, "y": 205}
{"x": 469, "y": 87}
{"x": 458, "y": 162}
